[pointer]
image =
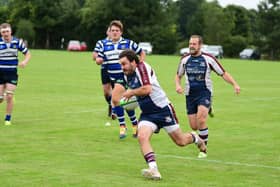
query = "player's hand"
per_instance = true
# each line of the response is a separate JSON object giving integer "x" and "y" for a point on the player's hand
{"x": 237, "y": 89}
{"x": 179, "y": 89}
{"x": 128, "y": 94}
{"x": 22, "y": 64}
{"x": 99, "y": 60}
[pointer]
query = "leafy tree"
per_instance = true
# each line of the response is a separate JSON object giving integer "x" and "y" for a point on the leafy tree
{"x": 190, "y": 19}
{"x": 25, "y": 30}
{"x": 234, "y": 44}
{"x": 269, "y": 14}
{"x": 218, "y": 24}
{"x": 141, "y": 22}
{"x": 241, "y": 19}
{"x": 4, "y": 14}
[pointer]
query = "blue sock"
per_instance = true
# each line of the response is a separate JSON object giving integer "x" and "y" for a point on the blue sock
{"x": 118, "y": 110}
{"x": 131, "y": 114}
{"x": 8, "y": 117}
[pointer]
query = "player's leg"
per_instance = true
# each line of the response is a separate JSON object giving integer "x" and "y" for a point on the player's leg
{"x": 9, "y": 90}
{"x": 202, "y": 114}
{"x": 134, "y": 121}
{"x": 1, "y": 93}
{"x": 145, "y": 131}
{"x": 183, "y": 139}
{"x": 107, "y": 89}
{"x": 172, "y": 128}
{"x": 117, "y": 93}
{"x": 191, "y": 107}
{"x": 107, "y": 95}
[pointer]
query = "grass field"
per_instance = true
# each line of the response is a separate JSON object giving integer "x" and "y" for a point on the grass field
{"x": 58, "y": 136}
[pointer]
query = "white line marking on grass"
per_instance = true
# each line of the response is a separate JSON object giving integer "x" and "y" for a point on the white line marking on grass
{"x": 221, "y": 162}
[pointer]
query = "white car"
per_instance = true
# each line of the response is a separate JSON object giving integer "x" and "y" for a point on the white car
{"x": 184, "y": 51}
{"x": 146, "y": 47}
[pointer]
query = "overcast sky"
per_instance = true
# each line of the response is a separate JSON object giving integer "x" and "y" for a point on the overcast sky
{"x": 249, "y": 4}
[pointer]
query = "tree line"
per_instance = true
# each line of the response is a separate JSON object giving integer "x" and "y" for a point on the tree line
{"x": 167, "y": 24}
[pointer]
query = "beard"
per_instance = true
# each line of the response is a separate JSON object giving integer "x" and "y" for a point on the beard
{"x": 194, "y": 51}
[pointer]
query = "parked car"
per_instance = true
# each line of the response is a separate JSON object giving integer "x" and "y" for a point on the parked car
{"x": 146, "y": 47}
{"x": 184, "y": 51}
{"x": 83, "y": 46}
{"x": 214, "y": 50}
{"x": 76, "y": 45}
{"x": 250, "y": 54}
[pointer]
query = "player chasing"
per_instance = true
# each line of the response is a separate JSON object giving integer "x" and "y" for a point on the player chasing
{"x": 197, "y": 67}
{"x": 9, "y": 47}
{"x": 109, "y": 54}
{"x": 157, "y": 111}
{"x": 107, "y": 85}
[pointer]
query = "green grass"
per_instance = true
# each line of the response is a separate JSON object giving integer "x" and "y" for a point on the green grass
{"x": 58, "y": 136}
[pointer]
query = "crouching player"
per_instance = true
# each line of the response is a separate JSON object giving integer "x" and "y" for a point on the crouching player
{"x": 157, "y": 111}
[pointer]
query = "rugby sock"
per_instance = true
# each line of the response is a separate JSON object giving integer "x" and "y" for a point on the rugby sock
{"x": 150, "y": 159}
{"x": 8, "y": 117}
{"x": 131, "y": 114}
{"x": 195, "y": 140}
{"x": 118, "y": 110}
{"x": 203, "y": 134}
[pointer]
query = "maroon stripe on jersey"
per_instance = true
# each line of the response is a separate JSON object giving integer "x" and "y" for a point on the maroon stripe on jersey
{"x": 207, "y": 54}
{"x": 144, "y": 73}
{"x": 174, "y": 113}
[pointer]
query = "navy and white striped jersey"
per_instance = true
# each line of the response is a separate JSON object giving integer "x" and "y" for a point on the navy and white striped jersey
{"x": 144, "y": 75}
{"x": 197, "y": 72}
{"x": 110, "y": 52}
{"x": 98, "y": 48}
{"x": 9, "y": 53}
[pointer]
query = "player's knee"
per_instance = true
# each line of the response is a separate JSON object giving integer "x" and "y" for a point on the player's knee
{"x": 180, "y": 142}
{"x": 142, "y": 137}
{"x": 115, "y": 102}
{"x": 9, "y": 94}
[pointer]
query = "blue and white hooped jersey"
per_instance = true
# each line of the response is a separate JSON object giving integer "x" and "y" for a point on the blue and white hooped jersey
{"x": 197, "y": 72}
{"x": 98, "y": 48}
{"x": 110, "y": 52}
{"x": 9, "y": 53}
{"x": 144, "y": 75}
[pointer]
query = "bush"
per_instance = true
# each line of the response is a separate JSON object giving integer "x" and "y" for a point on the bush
{"x": 234, "y": 45}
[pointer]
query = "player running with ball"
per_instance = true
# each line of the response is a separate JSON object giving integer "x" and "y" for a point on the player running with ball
{"x": 157, "y": 111}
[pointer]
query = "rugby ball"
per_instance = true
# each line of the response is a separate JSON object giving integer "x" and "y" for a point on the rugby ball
{"x": 129, "y": 104}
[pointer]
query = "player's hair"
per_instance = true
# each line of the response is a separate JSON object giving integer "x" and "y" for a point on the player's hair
{"x": 5, "y": 25}
{"x": 200, "y": 40}
{"x": 117, "y": 23}
{"x": 130, "y": 55}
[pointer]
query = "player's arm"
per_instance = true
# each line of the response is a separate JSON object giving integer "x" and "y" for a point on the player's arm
{"x": 141, "y": 91}
{"x": 178, "y": 77}
{"x": 98, "y": 60}
{"x": 228, "y": 78}
{"x": 179, "y": 88}
{"x": 27, "y": 57}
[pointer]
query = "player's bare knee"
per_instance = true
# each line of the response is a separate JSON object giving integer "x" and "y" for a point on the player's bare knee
{"x": 142, "y": 137}
{"x": 9, "y": 95}
{"x": 181, "y": 142}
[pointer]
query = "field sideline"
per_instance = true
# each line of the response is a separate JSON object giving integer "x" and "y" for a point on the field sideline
{"x": 59, "y": 137}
